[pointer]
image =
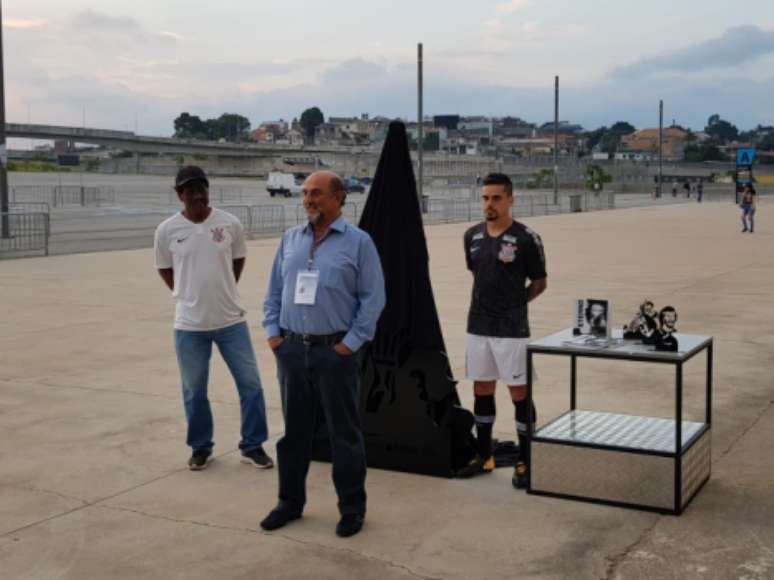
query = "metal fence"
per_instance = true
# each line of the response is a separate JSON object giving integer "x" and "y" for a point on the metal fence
{"x": 455, "y": 210}
{"x": 64, "y": 195}
{"x": 351, "y": 212}
{"x": 30, "y": 230}
{"x": 218, "y": 194}
{"x": 27, "y": 233}
{"x": 259, "y": 219}
{"x": 29, "y": 207}
{"x": 267, "y": 219}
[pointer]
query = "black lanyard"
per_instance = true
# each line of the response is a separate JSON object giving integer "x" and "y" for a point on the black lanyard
{"x": 313, "y": 248}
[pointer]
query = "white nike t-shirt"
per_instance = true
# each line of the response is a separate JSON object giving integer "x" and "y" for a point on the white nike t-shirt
{"x": 202, "y": 256}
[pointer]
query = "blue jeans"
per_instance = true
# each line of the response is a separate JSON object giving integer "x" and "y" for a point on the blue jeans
{"x": 748, "y": 217}
{"x": 315, "y": 381}
{"x": 194, "y": 349}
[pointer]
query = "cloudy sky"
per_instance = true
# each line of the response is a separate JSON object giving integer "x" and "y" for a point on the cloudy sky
{"x": 140, "y": 63}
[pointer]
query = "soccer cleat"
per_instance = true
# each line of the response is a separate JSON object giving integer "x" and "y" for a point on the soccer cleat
{"x": 199, "y": 460}
{"x": 476, "y": 466}
{"x": 519, "y": 479}
{"x": 258, "y": 459}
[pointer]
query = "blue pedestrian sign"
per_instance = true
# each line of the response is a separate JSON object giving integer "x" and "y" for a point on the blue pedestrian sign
{"x": 745, "y": 157}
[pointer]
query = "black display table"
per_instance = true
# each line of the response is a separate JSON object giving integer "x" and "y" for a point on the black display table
{"x": 649, "y": 463}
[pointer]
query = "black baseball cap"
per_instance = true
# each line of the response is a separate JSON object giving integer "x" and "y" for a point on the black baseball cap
{"x": 190, "y": 173}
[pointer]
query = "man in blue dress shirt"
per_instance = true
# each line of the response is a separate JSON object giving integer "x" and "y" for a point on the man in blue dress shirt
{"x": 325, "y": 296}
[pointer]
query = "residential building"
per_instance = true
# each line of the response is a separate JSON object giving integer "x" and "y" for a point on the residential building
{"x": 644, "y": 143}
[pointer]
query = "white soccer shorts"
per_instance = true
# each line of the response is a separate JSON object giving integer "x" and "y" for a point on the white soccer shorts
{"x": 489, "y": 358}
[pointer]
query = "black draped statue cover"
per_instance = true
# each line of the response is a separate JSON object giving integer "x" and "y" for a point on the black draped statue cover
{"x": 409, "y": 405}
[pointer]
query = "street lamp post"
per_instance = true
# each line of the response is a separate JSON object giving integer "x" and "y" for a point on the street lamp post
{"x": 5, "y": 230}
{"x": 556, "y": 140}
{"x": 420, "y": 124}
{"x": 660, "y": 144}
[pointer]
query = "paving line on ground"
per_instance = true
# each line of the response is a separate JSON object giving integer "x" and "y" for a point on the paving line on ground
{"x": 97, "y": 502}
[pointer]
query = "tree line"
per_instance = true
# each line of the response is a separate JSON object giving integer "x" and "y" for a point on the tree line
{"x": 232, "y": 126}
{"x": 235, "y": 128}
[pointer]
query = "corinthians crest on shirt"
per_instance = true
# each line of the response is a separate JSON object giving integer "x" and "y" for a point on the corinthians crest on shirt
{"x": 507, "y": 252}
{"x": 217, "y": 235}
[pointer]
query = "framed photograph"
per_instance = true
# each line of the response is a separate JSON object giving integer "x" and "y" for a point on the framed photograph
{"x": 592, "y": 317}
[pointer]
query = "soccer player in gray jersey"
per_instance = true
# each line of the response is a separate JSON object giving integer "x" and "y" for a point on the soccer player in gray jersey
{"x": 509, "y": 270}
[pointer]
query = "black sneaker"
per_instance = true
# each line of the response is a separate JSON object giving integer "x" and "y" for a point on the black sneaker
{"x": 519, "y": 479}
{"x": 199, "y": 460}
{"x": 349, "y": 525}
{"x": 257, "y": 458}
{"x": 476, "y": 466}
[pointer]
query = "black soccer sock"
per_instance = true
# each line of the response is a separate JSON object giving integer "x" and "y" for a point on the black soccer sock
{"x": 484, "y": 410}
{"x": 523, "y": 419}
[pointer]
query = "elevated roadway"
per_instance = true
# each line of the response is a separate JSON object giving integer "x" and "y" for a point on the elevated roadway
{"x": 129, "y": 141}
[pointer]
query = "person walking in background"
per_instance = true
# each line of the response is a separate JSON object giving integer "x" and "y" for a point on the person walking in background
{"x": 748, "y": 205}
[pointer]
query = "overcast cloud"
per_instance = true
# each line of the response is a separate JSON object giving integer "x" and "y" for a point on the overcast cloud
{"x": 736, "y": 46}
{"x": 144, "y": 64}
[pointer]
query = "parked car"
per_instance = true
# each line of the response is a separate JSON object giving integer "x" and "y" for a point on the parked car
{"x": 285, "y": 184}
{"x": 353, "y": 185}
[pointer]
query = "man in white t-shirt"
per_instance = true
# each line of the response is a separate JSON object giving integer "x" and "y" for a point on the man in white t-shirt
{"x": 200, "y": 254}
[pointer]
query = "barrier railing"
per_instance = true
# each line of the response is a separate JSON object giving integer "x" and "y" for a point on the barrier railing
{"x": 29, "y": 207}
{"x": 64, "y": 195}
{"x": 26, "y": 233}
{"x": 28, "y": 226}
{"x": 350, "y": 211}
{"x": 259, "y": 219}
{"x": 241, "y": 212}
{"x": 267, "y": 219}
{"x": 217, "y": 193}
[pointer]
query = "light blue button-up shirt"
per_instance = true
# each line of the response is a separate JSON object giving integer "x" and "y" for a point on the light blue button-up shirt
{"x": 350, "y": 290}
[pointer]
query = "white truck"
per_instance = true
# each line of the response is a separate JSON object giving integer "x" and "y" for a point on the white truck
{"x": 285, "y": 184}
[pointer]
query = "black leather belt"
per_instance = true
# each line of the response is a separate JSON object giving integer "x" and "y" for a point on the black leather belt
{"x": 310, "y": 339}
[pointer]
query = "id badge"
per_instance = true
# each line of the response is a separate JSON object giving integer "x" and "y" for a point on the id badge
{"x": 306, "y": 287}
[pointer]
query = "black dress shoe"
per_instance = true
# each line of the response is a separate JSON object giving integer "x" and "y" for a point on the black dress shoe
{"x": 278, "y": 517}
{"x": 349, "y": 525}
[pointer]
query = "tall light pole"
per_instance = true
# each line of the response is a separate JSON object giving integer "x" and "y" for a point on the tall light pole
{"x": 420, "y": 125}
{"x": 5, "y": 230}
{"x": 660, "y": 143}
{"x": 556, "y": 140}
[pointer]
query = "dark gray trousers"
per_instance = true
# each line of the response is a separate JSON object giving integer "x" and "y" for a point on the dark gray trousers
{"x": 316, "y": 380}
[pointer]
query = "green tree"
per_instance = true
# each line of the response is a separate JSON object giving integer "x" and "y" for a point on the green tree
{"x": 720, "y": 130}
{"x": 703, "y": 152}
{"x": 310, "y": 119}
{"x": 767, "y": 142}
{"x": 622, "y": 128}
{"x": 596, "y": 177}
{"x": 229, "y": 126}
{"x": 189, "y": 126}
{"x": 594, "y": 137}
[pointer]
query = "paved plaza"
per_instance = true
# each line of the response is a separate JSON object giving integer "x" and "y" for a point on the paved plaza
{"x": 93, "y": 476}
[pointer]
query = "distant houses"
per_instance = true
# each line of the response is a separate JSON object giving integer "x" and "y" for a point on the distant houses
{"x": 481, "y": 135}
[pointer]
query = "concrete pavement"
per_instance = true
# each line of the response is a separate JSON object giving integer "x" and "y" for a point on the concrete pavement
{"x": 93, "y": 482}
